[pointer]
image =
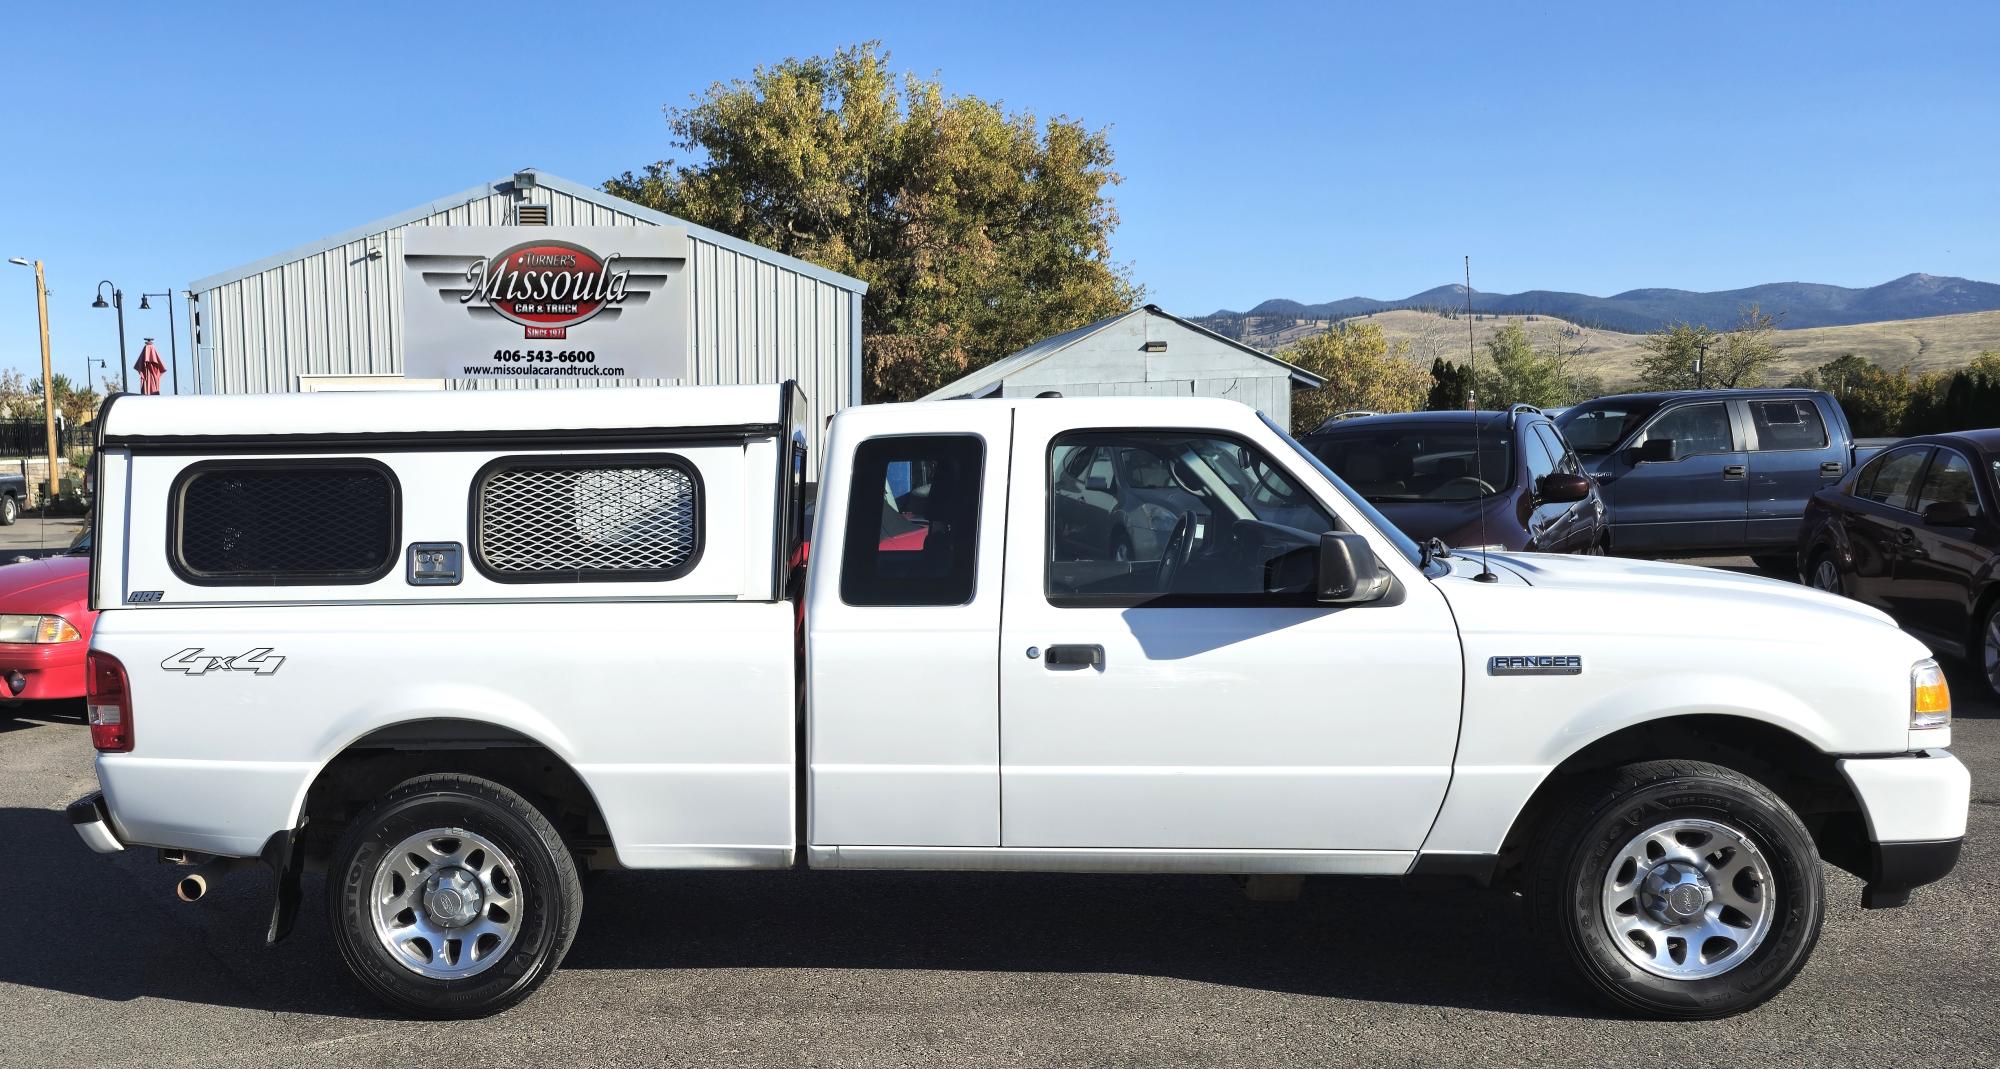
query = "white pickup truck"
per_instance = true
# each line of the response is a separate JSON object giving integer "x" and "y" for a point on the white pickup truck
{"x": 454, "y": 648}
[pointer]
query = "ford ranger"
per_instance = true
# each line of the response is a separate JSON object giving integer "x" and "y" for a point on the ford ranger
{"x": 451, "y": 649}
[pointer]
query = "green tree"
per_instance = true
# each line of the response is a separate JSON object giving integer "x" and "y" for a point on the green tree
{"x": 1690, "y": 356}
{"x": 1672, "y": 355}
{"x": 1875, "y": 400}
{"x": 1516, "y": 373}
{"x": 1362, "y": 371}
{"x": 978, "y": 231}
{"x": 1451, "y": 386}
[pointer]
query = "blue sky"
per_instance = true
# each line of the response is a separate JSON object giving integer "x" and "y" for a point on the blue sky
{"x": 1313, "y": 151}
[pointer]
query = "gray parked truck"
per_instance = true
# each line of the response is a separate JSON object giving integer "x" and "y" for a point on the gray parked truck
{"x": 1694, "y": 472}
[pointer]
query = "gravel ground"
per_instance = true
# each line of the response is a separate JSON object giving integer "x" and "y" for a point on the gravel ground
{"x": 99, "y": 965}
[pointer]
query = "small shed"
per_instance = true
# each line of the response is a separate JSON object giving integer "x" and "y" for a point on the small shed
{"x": 1145, "y": 352}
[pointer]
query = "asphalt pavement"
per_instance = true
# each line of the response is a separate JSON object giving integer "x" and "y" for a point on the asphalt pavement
{"x": 101, "y": 966}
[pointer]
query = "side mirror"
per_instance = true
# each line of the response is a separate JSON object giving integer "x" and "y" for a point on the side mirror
{"x": 1948, "y": 514}
{"x": 1347, "y": 572}
{"x": 1097, "y": 484}
{"x": 1563, "y": 487}
{"x": 1656, "y": 451}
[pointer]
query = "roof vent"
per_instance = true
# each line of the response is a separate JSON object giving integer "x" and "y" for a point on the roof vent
{"x": 1156, "y": 346}
{"x": 531, "y": 215}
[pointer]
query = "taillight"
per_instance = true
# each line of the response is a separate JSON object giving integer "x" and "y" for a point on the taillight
{"x": 109, "y": 704}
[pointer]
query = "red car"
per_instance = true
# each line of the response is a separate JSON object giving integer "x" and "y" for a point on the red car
{"x": 45, "y": 624}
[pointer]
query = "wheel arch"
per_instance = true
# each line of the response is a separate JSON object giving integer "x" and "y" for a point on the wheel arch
{"x": 371, "y": 763}
{"x": 1807, "y": 778}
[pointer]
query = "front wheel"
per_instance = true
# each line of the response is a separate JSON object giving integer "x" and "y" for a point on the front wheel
{"x": 1678, "y": 889}
{"x": 1824, "y": 573}
{"x": 452, "y": 897}
{"x": 10, "y": 509}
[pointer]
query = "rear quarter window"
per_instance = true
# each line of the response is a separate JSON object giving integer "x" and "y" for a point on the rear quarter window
{"x": 283, "y": 522}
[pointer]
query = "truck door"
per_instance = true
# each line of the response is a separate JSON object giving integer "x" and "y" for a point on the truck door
{"x": 1791, "y": 459}
{"x": 1692, "y": 495}
{"x": 902, "y": 610}
{"x": 1178, "y": 703}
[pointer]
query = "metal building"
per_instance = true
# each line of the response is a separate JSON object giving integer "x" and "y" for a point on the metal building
{"x": 328, "y": 315}
{"x": 1143, "y": 352}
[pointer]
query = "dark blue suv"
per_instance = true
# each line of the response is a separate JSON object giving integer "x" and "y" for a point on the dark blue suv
{"x": 1695, "y": 472}
{"x": 1501, "y": 480}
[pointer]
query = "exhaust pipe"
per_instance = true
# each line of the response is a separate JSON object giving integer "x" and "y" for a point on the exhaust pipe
{"x": 194, "y": 885}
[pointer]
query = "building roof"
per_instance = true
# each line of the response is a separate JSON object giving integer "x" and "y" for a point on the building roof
{"x": 984, "y": 381}
{"x": 501, "y": 185}
{"x": 318, "y": 416}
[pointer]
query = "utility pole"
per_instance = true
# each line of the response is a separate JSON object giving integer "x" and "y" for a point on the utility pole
{"x": 48, "y": 378}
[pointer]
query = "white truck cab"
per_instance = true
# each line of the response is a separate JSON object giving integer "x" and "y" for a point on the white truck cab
{"x": 451, "y": 648}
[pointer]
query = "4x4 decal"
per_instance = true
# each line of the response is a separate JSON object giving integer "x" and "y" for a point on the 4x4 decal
{"x": 194, "y": 662}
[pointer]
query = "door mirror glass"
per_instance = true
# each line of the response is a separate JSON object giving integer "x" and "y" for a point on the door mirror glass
{"x": 1347, "y": 572}
{"x": 1563, "y": 487}
{"x": 1656, "y": 451}
{"x": 1947, "y": 514}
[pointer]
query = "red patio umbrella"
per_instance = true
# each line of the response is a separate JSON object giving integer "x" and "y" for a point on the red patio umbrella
{"x": 150, "y": 367}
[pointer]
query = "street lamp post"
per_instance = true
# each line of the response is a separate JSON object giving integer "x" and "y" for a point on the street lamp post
{"x": 48, "y": 377}
{"x": 118, "y": 302}
{"x": 173, "y": 342}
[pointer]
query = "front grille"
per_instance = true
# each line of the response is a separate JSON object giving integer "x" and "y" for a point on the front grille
{"x": 615, "y": 519}
{"x": 285, "y": 521}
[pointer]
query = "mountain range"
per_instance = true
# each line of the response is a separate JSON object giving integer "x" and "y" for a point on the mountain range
{"x": 1797, "y": 304}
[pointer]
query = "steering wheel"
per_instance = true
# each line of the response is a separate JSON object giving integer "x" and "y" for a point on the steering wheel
{"x": 1180, "y": 550}
{"x": 1479, "y": 485}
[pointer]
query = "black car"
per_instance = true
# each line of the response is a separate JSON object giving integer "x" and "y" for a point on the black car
{"x": 1514, "y": 485}
{"x": 1915, "y": 532}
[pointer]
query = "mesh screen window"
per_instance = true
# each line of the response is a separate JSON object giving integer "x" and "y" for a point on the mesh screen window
{"x": 553, "y": 520}
{"x": 284, "y": 522}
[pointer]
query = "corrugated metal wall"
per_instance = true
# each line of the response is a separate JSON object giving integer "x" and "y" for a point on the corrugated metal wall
{"x": 1113, "y": 363}
{"x": 338, "y": 312}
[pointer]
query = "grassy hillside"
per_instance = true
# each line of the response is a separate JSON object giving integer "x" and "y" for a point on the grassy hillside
{"x": 1934, "y": 344}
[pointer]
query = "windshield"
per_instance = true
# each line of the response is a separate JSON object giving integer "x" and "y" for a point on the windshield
{"x": 1420, "y": 461}
{"x": 80, "y": 547}
{"x": 1403, "y": 543}
{"x": 1595, "y": 428}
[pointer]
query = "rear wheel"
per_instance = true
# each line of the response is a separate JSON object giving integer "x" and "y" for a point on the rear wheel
{"x": 1824, "y": 573}
{"x": 452, "y": 897}
{"x": 1678, "y": 889}
{"x": 10, "y": 509}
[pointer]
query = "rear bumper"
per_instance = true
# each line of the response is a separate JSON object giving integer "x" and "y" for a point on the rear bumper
{"x": 1915, "y": 806}
{"x": 47, "y": 671}
{"x": 93, "y": 823}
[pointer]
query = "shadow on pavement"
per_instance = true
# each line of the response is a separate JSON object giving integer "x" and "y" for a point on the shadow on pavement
{"x": 108, "y": 927}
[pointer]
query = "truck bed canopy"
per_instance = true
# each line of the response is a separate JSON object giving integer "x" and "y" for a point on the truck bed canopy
{"x": 426, "y": 417}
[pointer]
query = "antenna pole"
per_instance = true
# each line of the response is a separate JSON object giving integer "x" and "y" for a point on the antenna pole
{"x": 1472, "y": 401}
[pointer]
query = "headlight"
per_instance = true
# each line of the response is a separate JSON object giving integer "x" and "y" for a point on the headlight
{"x": 38, "y": 629}
{"x": 1930, "y": 697}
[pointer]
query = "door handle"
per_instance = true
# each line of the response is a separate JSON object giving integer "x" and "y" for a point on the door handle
{"x": 1066, "y": 657}
{"x": 1832, "y": 467}
{"x": 1733, "y": 471}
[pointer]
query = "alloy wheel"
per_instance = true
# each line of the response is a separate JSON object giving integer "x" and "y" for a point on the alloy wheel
{"x": 1688, "y": 899}
{"x": 447, "y": 903}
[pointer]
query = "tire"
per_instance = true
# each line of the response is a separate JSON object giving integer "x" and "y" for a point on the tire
{"x": 1786, "y": 565}
{"x": 1582, "y": 865}
{"x": 494, "y": 852}
{"x": 10, "y": 509}
{"x": 1823, "y": 573}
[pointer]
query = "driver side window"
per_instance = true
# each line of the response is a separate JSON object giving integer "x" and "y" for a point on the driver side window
{"x": 1187, "y": 515}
